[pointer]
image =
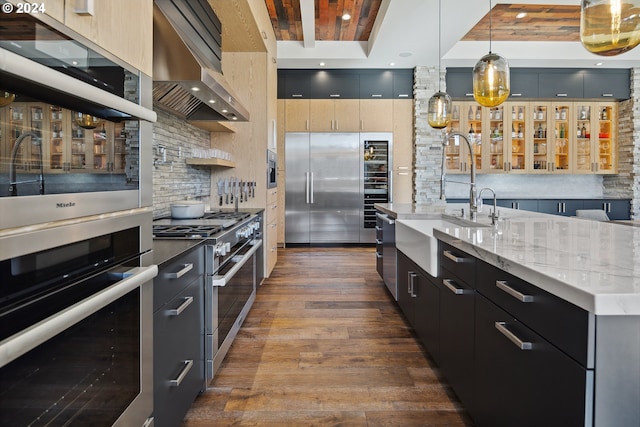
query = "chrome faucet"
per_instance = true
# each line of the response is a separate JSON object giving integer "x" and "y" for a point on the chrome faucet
{"x": 36, "y": 140}
{"x": 493, "y": 215}
{"x": 473, "y": 206}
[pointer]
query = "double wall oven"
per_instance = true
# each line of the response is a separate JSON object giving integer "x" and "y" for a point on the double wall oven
{"x": 75, "y": 231}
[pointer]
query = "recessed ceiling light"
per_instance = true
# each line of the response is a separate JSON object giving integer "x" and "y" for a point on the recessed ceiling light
{"x": 391, "y": 64}
{"x": 225, "y": 111}
{"x": 346, "y": 16}
{"x": 212, "y": 101}
{"x": 597, "y": 64}
{"x": 321, "y": 64}
{"x": 195, "y": 89}
{"x": 521, "y": 15}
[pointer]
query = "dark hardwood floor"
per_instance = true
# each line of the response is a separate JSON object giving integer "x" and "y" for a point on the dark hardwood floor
{"x": 325, "y": 345}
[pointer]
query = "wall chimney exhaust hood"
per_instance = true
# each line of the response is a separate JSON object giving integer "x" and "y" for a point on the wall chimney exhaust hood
{"x": 186, "y": 64}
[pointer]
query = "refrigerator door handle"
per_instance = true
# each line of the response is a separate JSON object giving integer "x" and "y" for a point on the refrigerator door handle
{"x": 306, "y": 187}
{"x": 311, "y": 186}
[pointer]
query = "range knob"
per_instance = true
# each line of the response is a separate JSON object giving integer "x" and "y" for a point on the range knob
{"x": 221, "y": 249}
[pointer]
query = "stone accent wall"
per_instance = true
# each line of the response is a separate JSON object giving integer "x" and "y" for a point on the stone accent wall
{"x": 428, "y": 141}
{"x": 627, "y": 183}
{"x": 173, "y": 179}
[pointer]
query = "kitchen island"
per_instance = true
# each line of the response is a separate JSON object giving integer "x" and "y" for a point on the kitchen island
{"x": 565, "y": 291}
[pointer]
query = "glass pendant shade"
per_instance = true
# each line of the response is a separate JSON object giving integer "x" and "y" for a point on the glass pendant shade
{"x": 86, "y": 121}
{"x": 609, "y": 27}
{"x": 439, "y": 110}
{"x": 6, "y": 98}
{"x": 491, "y": 80}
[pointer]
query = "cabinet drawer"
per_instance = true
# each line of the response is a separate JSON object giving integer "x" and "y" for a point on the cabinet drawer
{"x": 460, "y": 263}
{"x": 562, "y": 323}
{"x": 521, "y": 379}
{"x": 175, "y": 275}
{"x": 271, "y": 213}
{"x": 178, "y": 355}
{"x": 272, "y": 195}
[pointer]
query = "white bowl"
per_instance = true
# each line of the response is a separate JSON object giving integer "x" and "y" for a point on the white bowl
{"x": 187, "y": 209}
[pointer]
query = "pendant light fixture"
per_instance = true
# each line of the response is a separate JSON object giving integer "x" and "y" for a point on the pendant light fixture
{"x": 6, "y": 98}
{"x": 439, "y": 106}
{"x": 609, "y": 27}
{"x": 491, "y": 80}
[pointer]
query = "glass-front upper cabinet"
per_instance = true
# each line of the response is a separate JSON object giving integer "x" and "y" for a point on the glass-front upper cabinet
{"x": 518, "y": 123}
{"x": 496, "y": 141}
{"x": 561, "y": 147}
{"x": 583, "y": 130}
{"x": 540, "y": 138}
{"x": 604, "y": 140}
{"x": 471, "y": 120}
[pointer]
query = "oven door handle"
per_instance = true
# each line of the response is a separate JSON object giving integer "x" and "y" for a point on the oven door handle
{"x": 24, "y": 341}
{"x": 218, "y": 281}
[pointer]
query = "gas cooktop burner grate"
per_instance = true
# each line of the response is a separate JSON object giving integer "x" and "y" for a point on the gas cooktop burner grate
{"x": 185, "y": 230}
{"x": 226, "y": 215}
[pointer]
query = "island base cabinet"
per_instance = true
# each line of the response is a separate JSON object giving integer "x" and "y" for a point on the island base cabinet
{"x": 522, "y": 380}
{"x": 456, "y": 355}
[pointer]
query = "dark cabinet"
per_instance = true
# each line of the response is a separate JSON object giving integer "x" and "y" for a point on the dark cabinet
{"x": 403, "y": 83}
{"x": 560, "y": 84}
{"x": 524, "y": 204}
{"x": 418, "y": 298}
{"x": 616, "y": 209}
{"x": 334, "y": 85}
{"x": 345, "y": 84}
{"x": 456, "y": 281}
{"x": 460, "y": 83}
{"x": 524, "y": 84}
{"x": 379, "y": 249}
{"x": 566, "y": 207}
{"x": 521, "y": 379}
{"x": 607, "y": 84}
{"x": 296, "y": 85}
{"x": 178, "y": 342}
{"x": 531, "y": 83}
{"x": 376, "y": 85}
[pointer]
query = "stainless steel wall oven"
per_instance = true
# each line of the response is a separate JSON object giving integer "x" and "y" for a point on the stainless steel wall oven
{"x": 75, "y": 126}
{"x": 75, "y": 325}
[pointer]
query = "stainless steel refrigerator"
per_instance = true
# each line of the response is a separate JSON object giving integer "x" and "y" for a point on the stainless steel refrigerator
{"x": 324, "y": 187}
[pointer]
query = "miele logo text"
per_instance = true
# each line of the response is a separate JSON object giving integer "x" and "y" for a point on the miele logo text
{"x": 65, "y": 205}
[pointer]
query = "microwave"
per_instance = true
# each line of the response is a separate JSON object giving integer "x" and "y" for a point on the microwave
{"x": 272, "y": 169}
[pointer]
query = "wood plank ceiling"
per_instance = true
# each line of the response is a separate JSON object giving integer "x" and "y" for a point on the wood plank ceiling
{"x": 329, "y": 25}
{"x": 541, "y": 23}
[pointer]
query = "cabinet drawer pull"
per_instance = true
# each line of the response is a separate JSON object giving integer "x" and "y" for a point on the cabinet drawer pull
{"x": 378, "y": 255}
{"x": 562, "y": 95}
{"x": 452, "y": 257}
{"x": 177, "y": 311}
{"x": 378, "y": 242}
{"x": 185, "y": 269}
{"x": 411, "y": 275}
{"x": 522, "y": 345}
{"x": 607, "y": 95}
{"x": 449, "y": 284}
{"x": 188, "y": 364}
{"x": 516, "y": 94}
{"x": 502, "y": 285}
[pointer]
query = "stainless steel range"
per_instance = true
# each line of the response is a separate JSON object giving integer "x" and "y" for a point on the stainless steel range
{"x": 232, "y": 243}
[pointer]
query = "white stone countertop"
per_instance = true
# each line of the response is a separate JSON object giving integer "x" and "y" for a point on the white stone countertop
{"x": 594, "y": 265}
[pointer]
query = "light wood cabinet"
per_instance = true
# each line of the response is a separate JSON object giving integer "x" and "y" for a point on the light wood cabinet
{"x": 296, "y": 116}
{"x": 113, "y": 27}
{"x": 271, "y": 229}
{"x": 535, "y": 137}
{"x": 375, "y": 115}
{"x": 329, "y": 115}
{"x": 402, "y": 154}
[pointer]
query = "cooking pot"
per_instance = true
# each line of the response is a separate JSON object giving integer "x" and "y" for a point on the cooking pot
{"x": 187, "y": 209}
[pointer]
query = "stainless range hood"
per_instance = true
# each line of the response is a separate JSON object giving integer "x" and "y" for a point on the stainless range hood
{"x": 184, "y": 79}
